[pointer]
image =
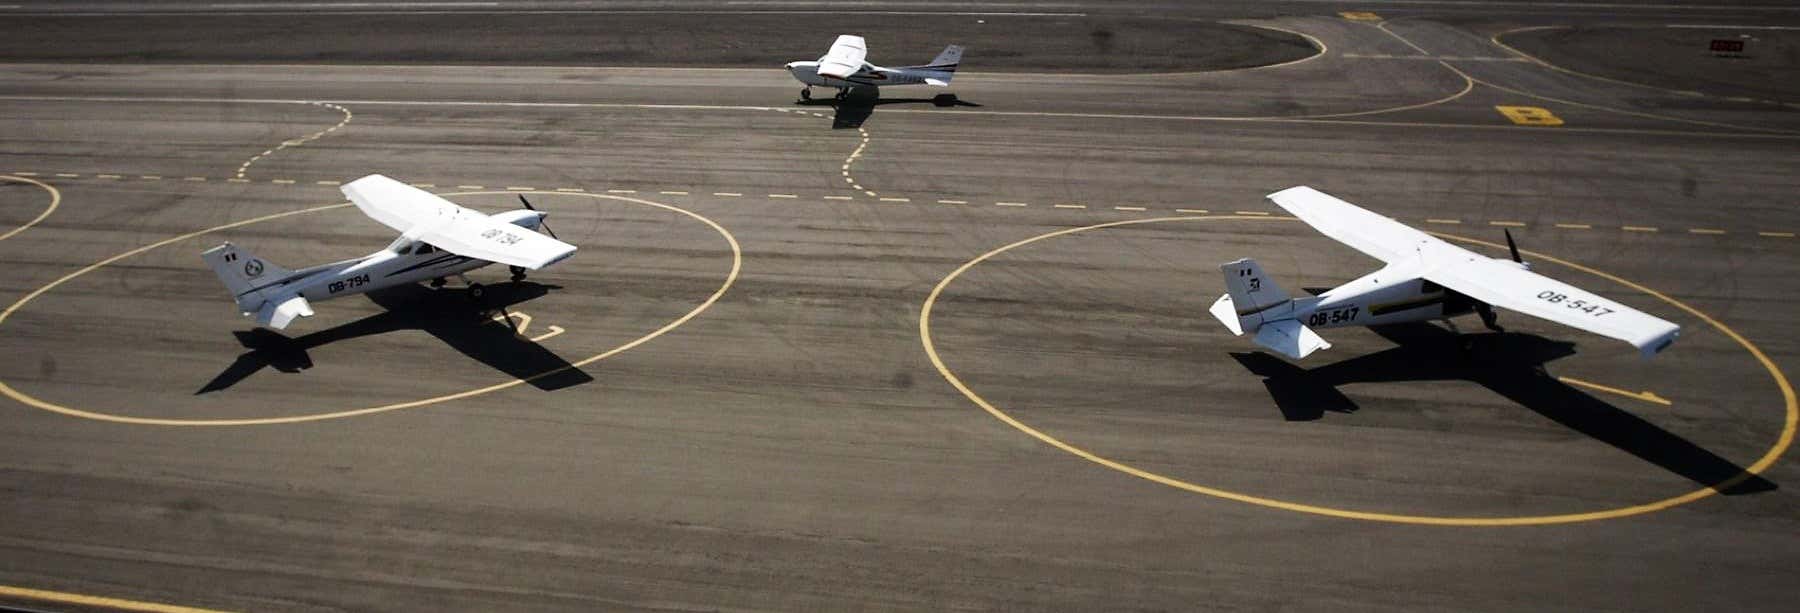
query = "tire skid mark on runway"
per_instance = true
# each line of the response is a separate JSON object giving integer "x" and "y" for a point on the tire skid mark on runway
{"x": 1519, "y": 92}
{"x": 1020, "y": 204}
{"x": 245, "y": 167}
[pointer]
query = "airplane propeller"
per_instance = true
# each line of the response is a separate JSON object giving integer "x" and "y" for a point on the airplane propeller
{"x": 1510, "y": 245}
{"x": 546, "y": 225}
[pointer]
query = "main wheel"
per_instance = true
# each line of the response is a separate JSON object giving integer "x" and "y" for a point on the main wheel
{"x": 518, "y": 273}
{"x": 437, "y": 283}
{"x": 476, "y": 291}
{"x": 806, "y": 94}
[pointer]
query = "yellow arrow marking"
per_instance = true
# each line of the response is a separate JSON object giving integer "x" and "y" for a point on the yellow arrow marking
{"x": 554, "y": 330}
{"x": 1645, "y": 396}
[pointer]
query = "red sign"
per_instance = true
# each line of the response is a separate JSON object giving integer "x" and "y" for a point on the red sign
{"x": 1724, "y": 45}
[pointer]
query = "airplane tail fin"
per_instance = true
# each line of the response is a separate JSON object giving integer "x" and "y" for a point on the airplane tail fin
{"x": 243, "y": 274}
{"x": 1254, "y": 303}
{"x": 944, "y": 64}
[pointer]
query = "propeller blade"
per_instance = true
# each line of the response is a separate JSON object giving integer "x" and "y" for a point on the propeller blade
{"x": 1510, "y": 246}
{"x": 541, "y": 222}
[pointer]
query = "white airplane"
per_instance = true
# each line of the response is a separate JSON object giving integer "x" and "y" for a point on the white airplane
{"x": 438, "y": 239}
{"x": 1425, "y": 278}
{"x": 846, "y": 66}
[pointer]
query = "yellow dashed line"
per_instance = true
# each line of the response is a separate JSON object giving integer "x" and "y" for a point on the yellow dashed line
{"x": 570, "y": 190}
{"x": 193, "y": 178}
{"x": 1068, "y": 206}
{"x": 26, "y": 174}
{"x": 621, "y": 191}
{"x": 108, "y": 177}
{"x": 1776, "y": 234}
{"x": 237, "y": 180}
{"x": 1255, "y": 213}
{"x": 1574, "y": 226}
{"x": 953, "y": 202}
{"x": 671, "y": 192}
{"x": 1130, "y": 208}
{"x": 896, "y": 200}
{"x": 521, "y": 188}
{"x": 1010, "y": 204}
{"x": 1638, "y": 228}
{"x": 150, "y": 177}
{"x": 282, "y": 181}
{"x": 1509, "y": 224}
{"x": 1444, "y": 221}
{"x": 839, "y": 198}
{"x": 1705, "y": 231}
{"x": 424, "y": 185}
{"x": 728, "y": 194}
{"x": 328, "y": 182}
{"x": 1193, "y": 211}
{"x": 68, "y": 175}
{"x": 784, "y": 196}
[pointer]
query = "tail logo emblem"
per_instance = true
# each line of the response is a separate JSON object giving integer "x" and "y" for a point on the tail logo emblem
{"x": 253, "y": 268}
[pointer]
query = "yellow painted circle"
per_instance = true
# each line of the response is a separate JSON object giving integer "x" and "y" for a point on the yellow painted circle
{"x": 737, "y": 257}
{"x": 55, "y": 199}
{"x": 1768, "y": 459}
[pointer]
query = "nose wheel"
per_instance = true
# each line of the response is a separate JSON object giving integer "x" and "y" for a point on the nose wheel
{"x": 806, "y": 93}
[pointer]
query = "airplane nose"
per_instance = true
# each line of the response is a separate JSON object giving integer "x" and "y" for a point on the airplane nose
{"x": 789, "y": 66}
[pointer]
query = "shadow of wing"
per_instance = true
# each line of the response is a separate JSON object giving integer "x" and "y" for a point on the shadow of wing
{"x": 1606, "y": 423}
{"x": 495, "y": 344}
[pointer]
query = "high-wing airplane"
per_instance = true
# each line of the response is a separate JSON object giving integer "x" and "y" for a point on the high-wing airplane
{"x": 1425, "y": 278}
{"x": 846, "y": 65}
{"x": 438, "y": 239}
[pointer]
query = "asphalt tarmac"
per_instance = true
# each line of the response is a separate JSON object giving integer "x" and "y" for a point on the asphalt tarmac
{"x": 906, "y": 353}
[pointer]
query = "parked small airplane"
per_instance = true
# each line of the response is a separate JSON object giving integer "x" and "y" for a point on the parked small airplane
{"x": 1425, "y": 278}
{"x": 438, "y": 239}
{"x": 846, "y": 66}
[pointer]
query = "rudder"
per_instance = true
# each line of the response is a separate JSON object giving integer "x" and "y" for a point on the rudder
{"x": 947, "y": 60}
{"x": 1255, "y": 298}
{"x": 242, "y": 272}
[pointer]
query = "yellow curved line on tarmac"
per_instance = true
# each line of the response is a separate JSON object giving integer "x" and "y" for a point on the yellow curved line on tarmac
{"x": 1534, "y": 59}
{"x": 96, "y": 601}
{"x": 55, "y": 199}
{"x": 1768, "y": 459}
{"x": 737, "y": 258}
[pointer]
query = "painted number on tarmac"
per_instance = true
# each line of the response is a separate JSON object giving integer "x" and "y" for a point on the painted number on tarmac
{"x": 1360, "y": 16}
{"x": 1530, "y": 115}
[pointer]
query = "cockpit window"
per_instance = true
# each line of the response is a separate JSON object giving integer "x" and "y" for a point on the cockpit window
{"x": 404, "y": 250}
{"x": 425, "y": 248}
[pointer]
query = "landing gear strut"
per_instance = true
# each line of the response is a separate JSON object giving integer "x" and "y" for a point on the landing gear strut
{"x": 437, "y": 283}
{"x": 1488, "y": 318}
{"x": 518, "y": 273}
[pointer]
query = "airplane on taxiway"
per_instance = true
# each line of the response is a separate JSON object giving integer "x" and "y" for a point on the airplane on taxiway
{"x": 846, "y": 66}
{"x": 438, "y": 239}
{"x": 1425, "y": 279}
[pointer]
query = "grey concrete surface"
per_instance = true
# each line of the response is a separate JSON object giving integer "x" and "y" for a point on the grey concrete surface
{"x": 793, "y": 447}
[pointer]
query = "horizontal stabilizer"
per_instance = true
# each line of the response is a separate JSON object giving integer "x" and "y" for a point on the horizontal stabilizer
{"x": 278, "y": 316}
{"x": 1226, "y": 312}
{"x": 1290, "y": 338}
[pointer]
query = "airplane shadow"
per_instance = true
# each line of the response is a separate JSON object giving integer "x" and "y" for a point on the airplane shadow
{"x": 1509, "y": 364}
{"x": 447, "y": 314}
{"x": 856, "y": 108}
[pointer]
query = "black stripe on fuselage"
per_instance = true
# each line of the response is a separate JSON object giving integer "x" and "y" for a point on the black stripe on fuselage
{"x": 442, "y": 259}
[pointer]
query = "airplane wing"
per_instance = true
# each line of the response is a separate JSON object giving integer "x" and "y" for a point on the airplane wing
{"x": 1505, "y": 284}
{"x": 462, "y": 231}
{"x": 1501, "y": 283}
{"x": 1363, "y": 230}
{"x": 845, "y": 57}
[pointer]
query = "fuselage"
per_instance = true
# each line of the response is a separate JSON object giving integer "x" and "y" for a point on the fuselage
{"x": 869, "y": 76}
{"x": 404, "y": 261}
{"x": 1386, "y": 296}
